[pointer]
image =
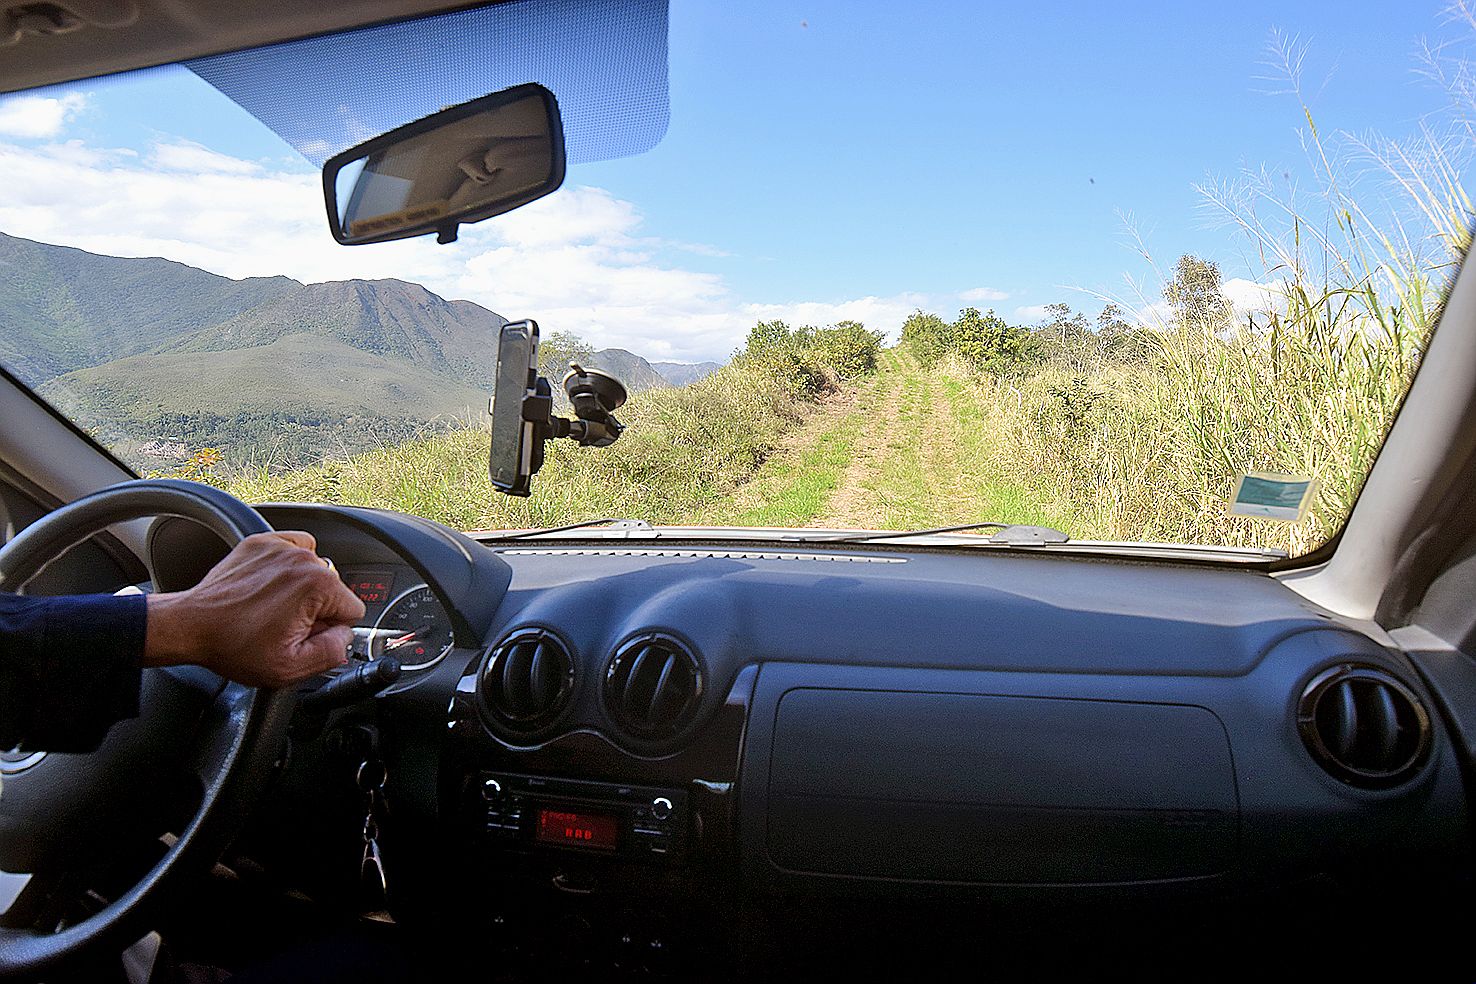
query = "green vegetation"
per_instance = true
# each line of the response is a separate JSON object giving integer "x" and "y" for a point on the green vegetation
{"x": 686, "y": 450}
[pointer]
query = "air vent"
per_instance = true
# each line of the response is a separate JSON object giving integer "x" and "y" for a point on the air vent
{"x": 653, "y": 687}
{"x": 527, "y": 680}
{"x": 1364, "y": 726}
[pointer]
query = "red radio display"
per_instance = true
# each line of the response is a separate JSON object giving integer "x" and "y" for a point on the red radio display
{"x": 597, "y": 831}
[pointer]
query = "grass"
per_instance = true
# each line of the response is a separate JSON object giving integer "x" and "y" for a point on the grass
{"x": 1155, "y": 455}
{"x": 798, "y": 486}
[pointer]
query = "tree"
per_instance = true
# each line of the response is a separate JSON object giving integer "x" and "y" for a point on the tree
{"x": 1065, "y": 338}
{"x": 849, "y": 348}
{"x": 1064, "y": 325}
{"x": 1121, "y": 341}
{"x": 988, "y": 343}
{"x": 1195, "y": 294}
{"x": 1111, "y": 323}
{"x": 557, "y": 350}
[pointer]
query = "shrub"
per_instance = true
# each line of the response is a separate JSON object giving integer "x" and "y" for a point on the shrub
{"x": 811, "y": 359}
{"x": 848, "y": 348}
{"x": 984, "y": 342}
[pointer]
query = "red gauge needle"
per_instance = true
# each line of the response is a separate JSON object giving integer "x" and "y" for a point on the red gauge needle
{"x": 403, "y": 640}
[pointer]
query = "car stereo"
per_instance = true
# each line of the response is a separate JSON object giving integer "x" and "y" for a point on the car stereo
{"x": 595, "y": 818}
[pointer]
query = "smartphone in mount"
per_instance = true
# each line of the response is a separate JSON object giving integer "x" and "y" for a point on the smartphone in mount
{"x": 510, "y": 464}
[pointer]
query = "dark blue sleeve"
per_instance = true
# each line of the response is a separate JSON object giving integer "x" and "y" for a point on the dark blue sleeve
{"x": 69, "y": 668}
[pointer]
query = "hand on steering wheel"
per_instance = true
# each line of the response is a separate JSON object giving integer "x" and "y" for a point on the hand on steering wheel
{"x": 67, "y": 814}
{"x": 271, "y": 614}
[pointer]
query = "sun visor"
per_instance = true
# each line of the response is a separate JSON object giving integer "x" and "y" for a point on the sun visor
{"x": 604, "y": 60}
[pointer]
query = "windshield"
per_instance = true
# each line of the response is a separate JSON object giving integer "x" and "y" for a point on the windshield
{"x": 1154, "y": 278}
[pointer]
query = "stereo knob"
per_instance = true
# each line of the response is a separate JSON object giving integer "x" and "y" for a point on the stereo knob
{"x": 661, "y": 808}
{"x": 491, "y": 790}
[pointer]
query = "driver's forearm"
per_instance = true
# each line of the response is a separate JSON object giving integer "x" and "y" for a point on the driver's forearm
{"x": 171, "y": 637}
{"x": 69, "y": 668}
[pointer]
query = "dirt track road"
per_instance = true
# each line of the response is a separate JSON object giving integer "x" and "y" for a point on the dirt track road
{"x": 903, "y": 449}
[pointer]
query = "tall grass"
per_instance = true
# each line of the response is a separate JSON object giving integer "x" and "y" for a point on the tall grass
{"x": 1356, "y": 272}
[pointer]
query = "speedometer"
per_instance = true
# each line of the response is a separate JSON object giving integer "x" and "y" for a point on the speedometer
{"x": 415, "y": 629}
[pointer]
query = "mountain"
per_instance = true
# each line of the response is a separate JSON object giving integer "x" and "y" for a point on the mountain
{"x": 635, "y": 372}
{"x": 63, "y": 309}
{"x": 684, "y": 373}
{"x": 389, "y": 318}
{"x": 284, "y": 403}
{"x": 160, "y": 359}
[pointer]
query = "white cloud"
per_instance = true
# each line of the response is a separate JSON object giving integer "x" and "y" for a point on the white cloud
{"x": 186, "y": 155}
{"x": 1031, "y": 312}
{"x": 577, "y": 260}
{"x": 983, "y": 294}
{"x": 1250, "y": 297}
{"x": 38, "y": 117}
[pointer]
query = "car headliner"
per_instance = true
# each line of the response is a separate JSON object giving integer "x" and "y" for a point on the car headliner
{"x": 121, "y": 35}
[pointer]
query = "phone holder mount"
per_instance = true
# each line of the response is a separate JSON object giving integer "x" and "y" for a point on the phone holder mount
{"x": 594, "y": 396}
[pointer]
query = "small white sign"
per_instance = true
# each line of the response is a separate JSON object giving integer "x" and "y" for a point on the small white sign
{"x": 1271, "y": 495}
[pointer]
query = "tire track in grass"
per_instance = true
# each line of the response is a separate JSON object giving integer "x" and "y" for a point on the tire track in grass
{"x": 797, "y": 480}
{"x": 856, "y": 501}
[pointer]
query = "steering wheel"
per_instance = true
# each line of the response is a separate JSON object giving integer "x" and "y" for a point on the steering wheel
{"x": 62, "y": 814}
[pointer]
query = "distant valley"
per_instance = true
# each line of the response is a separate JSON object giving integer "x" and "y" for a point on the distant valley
{"x": 161, "y": 358}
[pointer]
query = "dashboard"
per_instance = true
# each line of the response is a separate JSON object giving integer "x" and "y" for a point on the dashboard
{"x": 680, "y": 731}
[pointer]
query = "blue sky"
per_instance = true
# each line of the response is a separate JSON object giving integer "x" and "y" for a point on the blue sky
{"x": 823, "y": 160}
{"x": 991, "y": 143}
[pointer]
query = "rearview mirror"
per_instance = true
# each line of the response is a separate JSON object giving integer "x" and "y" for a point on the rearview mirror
{"x": 463, "y": 164}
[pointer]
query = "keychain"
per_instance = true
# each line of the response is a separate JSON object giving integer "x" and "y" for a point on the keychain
{"x": 372, "y": 882}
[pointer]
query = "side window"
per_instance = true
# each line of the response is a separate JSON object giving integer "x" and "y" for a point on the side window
{"x": 16, "y": 511}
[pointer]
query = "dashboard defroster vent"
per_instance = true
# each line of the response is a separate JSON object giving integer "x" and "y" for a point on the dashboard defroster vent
{"x": 653, "y": 686}
{"x": 1363, "y": 726}
{"x": 527, "y": 679}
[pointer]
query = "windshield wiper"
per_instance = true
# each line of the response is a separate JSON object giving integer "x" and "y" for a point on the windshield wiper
{"x": 618, "y": 524}
{"x": 1010, "y": 534}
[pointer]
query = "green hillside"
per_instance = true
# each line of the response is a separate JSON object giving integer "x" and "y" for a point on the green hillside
{"x": 160, "y": 358}
{"x": 389, "y": 318}
{"x": 63, "y": 309}
{"x": 288, "y": 402}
